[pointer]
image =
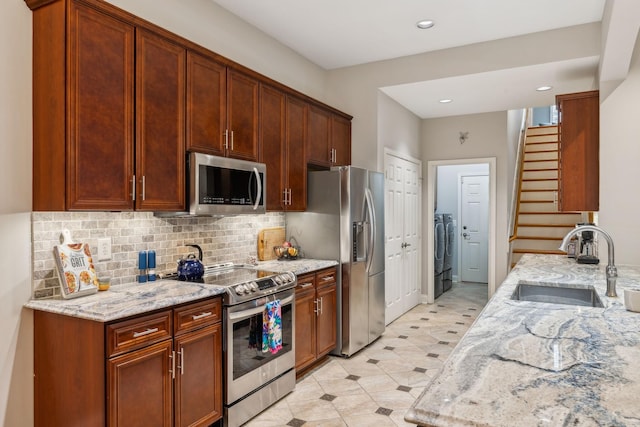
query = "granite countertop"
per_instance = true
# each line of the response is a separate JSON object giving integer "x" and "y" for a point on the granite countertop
{"x": 535, "y": 364}
{"x": 130, "y": 299}
{"x": 298, "y": 266}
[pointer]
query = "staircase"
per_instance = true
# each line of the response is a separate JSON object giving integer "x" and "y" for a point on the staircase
{"x": 539, "y": 226}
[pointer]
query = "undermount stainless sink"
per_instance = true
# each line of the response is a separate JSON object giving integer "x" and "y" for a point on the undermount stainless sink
{"x": 557, "y": 294}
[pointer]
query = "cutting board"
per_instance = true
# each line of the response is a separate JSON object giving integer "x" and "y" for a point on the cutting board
{"x": 267, "y": 239}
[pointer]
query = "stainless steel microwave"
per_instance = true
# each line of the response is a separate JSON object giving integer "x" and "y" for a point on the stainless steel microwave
{"x": 220, "y": 186}
{"x": 225, "y": 186}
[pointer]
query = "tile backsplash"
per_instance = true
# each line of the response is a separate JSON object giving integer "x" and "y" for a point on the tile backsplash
{"x": 227, "y": 239}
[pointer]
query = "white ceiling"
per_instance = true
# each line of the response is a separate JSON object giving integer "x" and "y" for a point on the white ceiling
{"x": 340, "y": 33}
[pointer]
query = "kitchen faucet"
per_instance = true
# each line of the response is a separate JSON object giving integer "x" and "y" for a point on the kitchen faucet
{"x": 612, "y": 271}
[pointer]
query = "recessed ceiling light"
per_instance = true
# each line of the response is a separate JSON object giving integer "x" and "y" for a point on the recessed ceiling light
{"x": 445, "y": 101}
{"x": 425, "y": 23}
{"x": 543, "y": 88}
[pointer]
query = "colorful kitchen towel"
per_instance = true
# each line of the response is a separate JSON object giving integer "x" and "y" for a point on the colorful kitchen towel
{"x": 272, "y": 327}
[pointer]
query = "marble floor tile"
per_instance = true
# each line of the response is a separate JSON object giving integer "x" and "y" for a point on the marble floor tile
{"x": 377, "y": 385}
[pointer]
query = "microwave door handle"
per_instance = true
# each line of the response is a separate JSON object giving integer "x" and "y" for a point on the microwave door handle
{"x": 259, "y": 195}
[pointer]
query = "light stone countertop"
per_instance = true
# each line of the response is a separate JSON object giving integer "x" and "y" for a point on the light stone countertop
{"x": 535, "y": 364}
{"x": 131, "y": 299}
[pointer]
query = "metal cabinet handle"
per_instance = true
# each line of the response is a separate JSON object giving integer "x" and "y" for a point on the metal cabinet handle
{"x": 181, "y": 365}
{"x": 226, "y": 139}
{"x": 315, "y": 310}
{"x": 172, "y": 370}
{"x": 143, "y": 333}
{"x": 305, "y": 285}
{"x": 327, "y": 278}
{"x": 144, "y": 187}
{"x": 231, "y": 140}
{"x": 321, "y": 304}
{"x": 133, "y": 188}
{"x": 201, "y": 316}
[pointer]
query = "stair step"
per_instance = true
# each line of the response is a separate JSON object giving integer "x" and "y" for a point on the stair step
{"x": 540, "y": 147}
{"x": 535, "y": 251}
{"x": 547, "y": 225}
{"x": 540, "y": 185}
{"x": 538, "y": 201}
{"x": 542, "y": 130}
{"x": 538, "y": 238}
{"x": 538, "y": 179}
{"x": 541, "y": 139}
{"x": 540, "y": 160}
{"x": 555, "y": 213}
{"x": 541, "y": 170}
{"x": 541, "y": 155}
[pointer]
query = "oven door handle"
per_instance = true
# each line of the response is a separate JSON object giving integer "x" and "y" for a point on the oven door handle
{"x": 253, "y": 311}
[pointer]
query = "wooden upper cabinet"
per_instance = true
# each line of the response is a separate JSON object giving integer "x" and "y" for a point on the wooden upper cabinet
{"x": 242, "y": 115}
{"x": 206, "y": 105}
{"x": 160, "y": 123}
{"x": 282, "y": 142}
{"x": 579, "y": 162}
{"x": 318, "y": 136}
{"x": 296, "y": 170}
{"x": 272, "y": 143}
{"x": 100, "y": 130}
{"x": 341, "y": 140}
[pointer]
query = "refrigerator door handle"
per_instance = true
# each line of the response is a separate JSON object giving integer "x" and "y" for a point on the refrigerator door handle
{"x": 372, "y": 227}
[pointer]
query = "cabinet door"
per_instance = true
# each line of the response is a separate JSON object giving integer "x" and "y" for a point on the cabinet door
{"x": 326, "y": 323}
{"x": 139, "y": 387}
{"x": 160, "y": 128}
{"x": 341, "y": 140}
{"x": 206, "y": 104}
{"x": 242, "y": 121}
{"x": 100, "y": 111}
{"x": 305, "y": 322}
{"x": 579, "y": 131}
{"x": 198, "y": 383}
{"x": 318, "y": 136}
{"x": 296, "y": 169}
{"x": 272, "y": 144}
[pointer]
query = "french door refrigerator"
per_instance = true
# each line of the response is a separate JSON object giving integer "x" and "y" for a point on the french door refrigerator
{"x": 344, "y": 221}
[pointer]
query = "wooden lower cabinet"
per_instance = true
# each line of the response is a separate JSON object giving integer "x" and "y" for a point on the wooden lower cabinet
{"x": 158, "y": 369}
{"x": 316, "y": 323}
{"x": 139, "y": 387}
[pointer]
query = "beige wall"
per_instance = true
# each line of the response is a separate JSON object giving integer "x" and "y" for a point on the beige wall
{"x": 619, "y": 171}
{"x": 487, "y": 138}
{"x": 398, "y": 128}
{"x": 16, "y": 342}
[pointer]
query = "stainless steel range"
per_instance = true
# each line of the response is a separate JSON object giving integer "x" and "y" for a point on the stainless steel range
{"x": 253, "y": 379}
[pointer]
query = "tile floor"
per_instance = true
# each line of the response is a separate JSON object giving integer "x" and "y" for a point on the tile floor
{"x": 378, "y": 384}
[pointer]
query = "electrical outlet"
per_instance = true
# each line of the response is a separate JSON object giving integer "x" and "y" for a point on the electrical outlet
{"x": 104, "y": 249}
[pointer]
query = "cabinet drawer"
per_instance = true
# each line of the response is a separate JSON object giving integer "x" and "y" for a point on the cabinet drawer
{"x": 196, "y": 315}
{"x": 139, "y": 332}
{"x": 326, "y": 277}
{"x": 306, "y": 282}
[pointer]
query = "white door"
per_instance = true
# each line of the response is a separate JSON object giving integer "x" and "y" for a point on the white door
{"x": 402, "y": 229}
{"x": 474, "y": 218}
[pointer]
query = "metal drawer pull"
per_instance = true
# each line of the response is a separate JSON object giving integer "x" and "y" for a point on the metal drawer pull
{"x": 327, "y": 278}
{"x": 306, "y": 285}
{"x": 147, "y": 332}
{"x": 201, "y": 316}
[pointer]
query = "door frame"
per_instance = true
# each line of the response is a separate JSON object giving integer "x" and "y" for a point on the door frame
{"x": 432, "y": 166}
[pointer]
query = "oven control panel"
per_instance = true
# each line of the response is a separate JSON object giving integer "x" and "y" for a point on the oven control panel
{"x": 274, "y": 283}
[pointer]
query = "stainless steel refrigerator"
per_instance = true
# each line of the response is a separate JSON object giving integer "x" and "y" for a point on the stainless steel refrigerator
{"x": 345, "y": 221}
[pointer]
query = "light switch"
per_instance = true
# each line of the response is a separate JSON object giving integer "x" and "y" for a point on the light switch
{"x": 104, "y": 249}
